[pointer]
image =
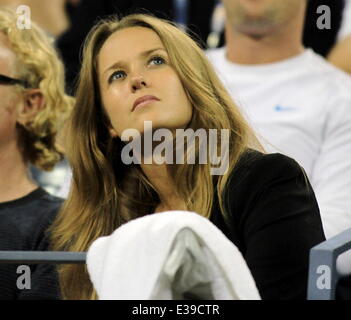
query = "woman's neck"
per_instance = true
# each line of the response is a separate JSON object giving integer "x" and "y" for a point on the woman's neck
{"x": 160, "y": 178}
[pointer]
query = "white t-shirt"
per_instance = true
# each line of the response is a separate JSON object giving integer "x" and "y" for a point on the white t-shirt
{"x": 301, "y": 107}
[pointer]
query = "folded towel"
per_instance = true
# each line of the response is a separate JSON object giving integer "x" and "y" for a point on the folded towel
{"x": 169, "y": 255}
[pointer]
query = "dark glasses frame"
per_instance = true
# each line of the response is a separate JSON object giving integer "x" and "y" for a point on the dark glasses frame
{"x": 11, "y": 81}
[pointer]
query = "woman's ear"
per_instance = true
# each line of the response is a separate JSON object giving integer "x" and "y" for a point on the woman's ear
{"x": 113, "y": 133}
{"x": 33, "y": 102}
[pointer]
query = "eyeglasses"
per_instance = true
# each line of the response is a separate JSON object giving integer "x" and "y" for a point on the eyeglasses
{"x": 12, "y": 81}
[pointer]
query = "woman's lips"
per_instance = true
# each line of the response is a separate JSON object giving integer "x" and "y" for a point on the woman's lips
{"x": 142, "y": 101}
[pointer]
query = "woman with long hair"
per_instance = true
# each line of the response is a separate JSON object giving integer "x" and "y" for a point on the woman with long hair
{"x": 141, "y": 69}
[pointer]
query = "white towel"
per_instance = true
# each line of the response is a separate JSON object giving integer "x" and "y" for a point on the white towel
{"x": 169, "y": 255}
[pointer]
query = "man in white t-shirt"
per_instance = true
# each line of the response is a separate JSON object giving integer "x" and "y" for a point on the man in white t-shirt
{"x": 298, "y": 103}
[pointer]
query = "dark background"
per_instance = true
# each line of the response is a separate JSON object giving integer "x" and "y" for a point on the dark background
{"x": 88, "y": 12}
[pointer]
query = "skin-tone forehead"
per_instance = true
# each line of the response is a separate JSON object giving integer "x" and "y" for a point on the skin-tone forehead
{"x": 125, "y": 45}
{"x": 7, "y": 56}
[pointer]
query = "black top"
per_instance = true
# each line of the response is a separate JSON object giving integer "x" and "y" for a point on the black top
{"x": 274, "y": 221}
{"x": 23, "y": 223}
{"x": 343, "y": 288}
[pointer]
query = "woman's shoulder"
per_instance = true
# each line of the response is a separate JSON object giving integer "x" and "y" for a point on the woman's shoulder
{"x": 263, "y": 188}
{"x": 263, "y": 167}
{"x": 269, "y": 205}
{"x": 256, "y": 160}
{"x": 256, "y": 172}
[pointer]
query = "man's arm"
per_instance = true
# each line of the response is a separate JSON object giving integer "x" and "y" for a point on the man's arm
{"x": 331, "y": 175}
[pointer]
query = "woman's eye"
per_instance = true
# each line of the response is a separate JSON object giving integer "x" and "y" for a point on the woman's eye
{"x": 157, "y": 60}
{"x": 117, "y": 75}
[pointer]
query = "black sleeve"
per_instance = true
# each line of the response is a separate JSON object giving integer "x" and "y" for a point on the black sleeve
{"x": 343, "y": 288}
{"x": 278, "y": 222}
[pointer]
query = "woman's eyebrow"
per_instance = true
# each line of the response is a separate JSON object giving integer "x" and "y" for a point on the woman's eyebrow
{"x": 120, "y": 64}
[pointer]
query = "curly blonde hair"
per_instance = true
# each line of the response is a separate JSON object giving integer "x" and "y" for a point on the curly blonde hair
{"x": 39, "y": 66}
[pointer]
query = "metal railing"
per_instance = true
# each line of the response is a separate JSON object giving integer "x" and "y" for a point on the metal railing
{"x": 34, "y": 257}
{"x": 323, "y": 275}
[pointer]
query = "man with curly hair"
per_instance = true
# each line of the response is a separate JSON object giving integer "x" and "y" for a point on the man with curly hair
{"x": 33, "y": 108}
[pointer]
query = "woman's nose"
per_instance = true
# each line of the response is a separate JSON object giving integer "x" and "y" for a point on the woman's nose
{"x": 138, "y": 82}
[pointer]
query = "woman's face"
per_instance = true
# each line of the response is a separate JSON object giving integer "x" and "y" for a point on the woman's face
{"x": 137, "y": 83}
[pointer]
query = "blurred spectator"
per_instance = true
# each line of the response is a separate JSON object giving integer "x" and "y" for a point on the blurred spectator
{"x": 53, "y": 18}
{"x": 49, "y": 15}
{"x": 33, "y": 107}
{"x": 298, "y": 103}
{"x": 320, "y": 40}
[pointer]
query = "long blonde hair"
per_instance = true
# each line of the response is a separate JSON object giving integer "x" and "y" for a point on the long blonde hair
{"x": 38, "y": 64}
{"x": 106, "y": 193}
